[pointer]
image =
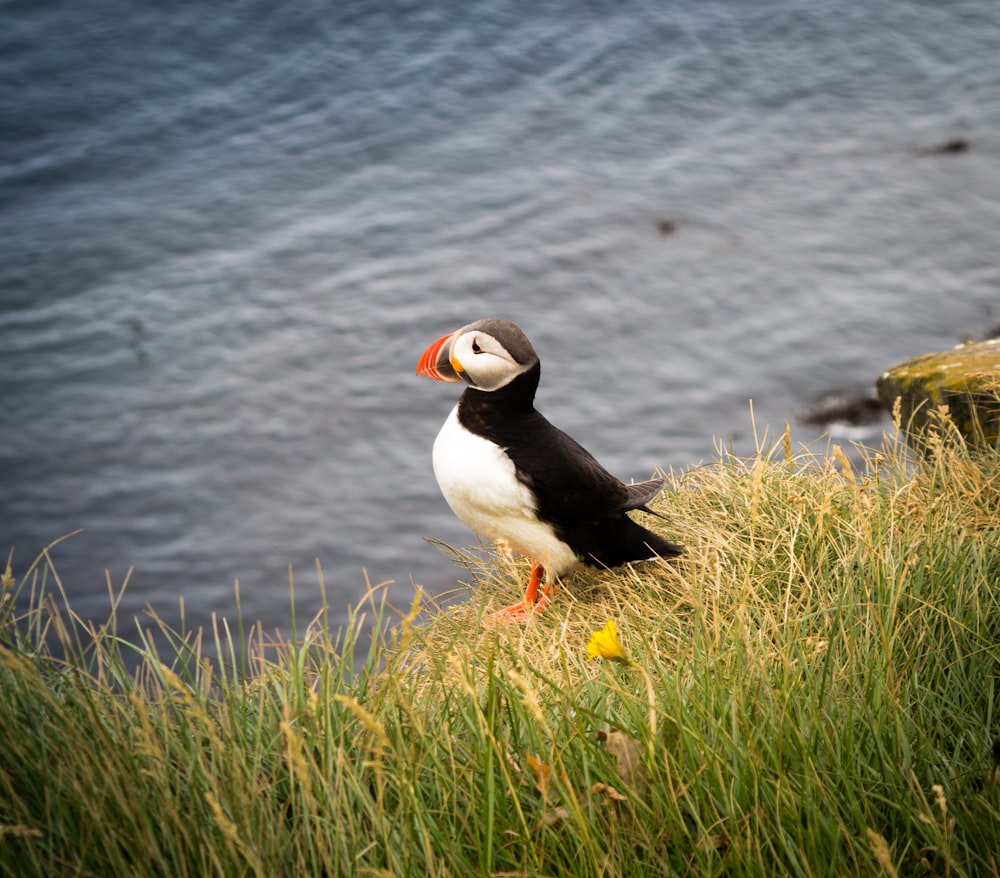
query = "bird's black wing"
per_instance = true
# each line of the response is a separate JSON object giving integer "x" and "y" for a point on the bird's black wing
{"x": 570, "y": 486}
{"x": 642, "y": 493}
{"x": 585, "y": 504}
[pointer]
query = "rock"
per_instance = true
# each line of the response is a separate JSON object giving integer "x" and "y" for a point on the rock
{"x": 666, "y": 227}
{"x": 855, "y": 407}
{"x": 952, "y": 146}
{"x": 966, "y": 379}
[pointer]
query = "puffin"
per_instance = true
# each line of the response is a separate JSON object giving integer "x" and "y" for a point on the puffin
{"x": 515, "y": 479}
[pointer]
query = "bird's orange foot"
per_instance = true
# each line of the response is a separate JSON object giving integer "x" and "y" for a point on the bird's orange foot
{"x": 521, "y": 612}
{"x": 524, "y": 610}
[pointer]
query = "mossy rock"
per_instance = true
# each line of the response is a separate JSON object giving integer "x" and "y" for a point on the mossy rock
{"x": 965, "y": 379}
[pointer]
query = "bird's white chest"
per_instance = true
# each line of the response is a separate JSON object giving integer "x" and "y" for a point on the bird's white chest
{"x": 481, "y": 486}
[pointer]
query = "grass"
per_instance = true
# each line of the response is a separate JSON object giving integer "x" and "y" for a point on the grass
{"x": 811, "y": 690}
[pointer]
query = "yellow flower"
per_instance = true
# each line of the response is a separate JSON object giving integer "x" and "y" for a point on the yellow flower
{"x": 605, "y": 644}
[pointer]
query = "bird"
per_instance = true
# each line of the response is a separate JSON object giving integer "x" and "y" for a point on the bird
{"x": 514, "y": 478}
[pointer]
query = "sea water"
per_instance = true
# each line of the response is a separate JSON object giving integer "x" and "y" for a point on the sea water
{"x": 228, "y": 232}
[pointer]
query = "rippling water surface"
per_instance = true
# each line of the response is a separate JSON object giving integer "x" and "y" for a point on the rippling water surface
{"x": 229, "y": 232}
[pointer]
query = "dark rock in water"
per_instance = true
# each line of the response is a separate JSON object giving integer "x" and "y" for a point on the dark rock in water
{"x": 666, "y": 227}
{"x": 992, "y": 332}
{"x": 952, "y": 146}
{"x": 965, "y": 379}
{"x": 853, "y": 408}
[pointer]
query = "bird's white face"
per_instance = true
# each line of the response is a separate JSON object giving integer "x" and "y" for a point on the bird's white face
{"x": 482, "y": 362}
{"x": 486, "y": 355}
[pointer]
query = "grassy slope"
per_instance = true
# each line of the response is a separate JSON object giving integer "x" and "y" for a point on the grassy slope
{"x": 822, "y": 673}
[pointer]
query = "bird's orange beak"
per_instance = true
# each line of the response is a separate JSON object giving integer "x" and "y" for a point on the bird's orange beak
{"x": 436, "y": 361}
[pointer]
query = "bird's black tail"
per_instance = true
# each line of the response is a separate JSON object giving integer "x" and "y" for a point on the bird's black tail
{"x": 622, "y": 540}
{"x": 663, "y": 548}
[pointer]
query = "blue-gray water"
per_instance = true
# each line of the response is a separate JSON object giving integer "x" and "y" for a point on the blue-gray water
{"x": 228, "y": 232}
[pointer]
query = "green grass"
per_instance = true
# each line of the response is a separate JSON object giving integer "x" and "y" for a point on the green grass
{"x": 822, "y": 672}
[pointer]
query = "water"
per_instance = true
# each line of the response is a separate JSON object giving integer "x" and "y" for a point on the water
{"x": 229, "y": 232}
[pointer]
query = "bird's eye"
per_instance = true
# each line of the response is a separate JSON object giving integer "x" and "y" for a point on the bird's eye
{"x": 476, "y": 349}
